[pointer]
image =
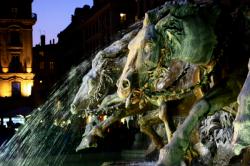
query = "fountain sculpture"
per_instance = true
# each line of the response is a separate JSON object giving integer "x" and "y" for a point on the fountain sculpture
{"x": 185, "y": 60}
{"x": 186, "y": 53}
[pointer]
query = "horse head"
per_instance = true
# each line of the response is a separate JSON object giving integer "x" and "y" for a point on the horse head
{"x": 143, "y": 56}
{"x": 177, "y": 33}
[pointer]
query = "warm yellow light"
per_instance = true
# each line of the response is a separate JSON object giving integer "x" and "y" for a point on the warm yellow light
{"x": 41, "y": 81}
{"x": 28, "y": 69}
{"x": 89, "y": 119}
{"x": 25, "y": 79}
{"x": 123, "y": 120}
{"x": 26, "y": 87}
{"x": 122, "y": 15}
{"x": 5, "y": 69}
{"x": 5, "y": 89}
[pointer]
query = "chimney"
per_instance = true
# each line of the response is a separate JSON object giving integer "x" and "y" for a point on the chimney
{"x": 42, "y": 40}
{"x": 53, "y": 41}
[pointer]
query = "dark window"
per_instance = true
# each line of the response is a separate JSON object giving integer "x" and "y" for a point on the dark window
{"x": 42, "y": 65}
{"x": 15, "y": 39}
{"x": 16, "y": 89}
{"x": 14, "y": 12}
{"x": 51, "y": 66}
{"x": 15, "y": 64}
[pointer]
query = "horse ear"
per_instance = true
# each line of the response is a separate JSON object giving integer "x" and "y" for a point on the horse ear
{"x": 146, "y": 20}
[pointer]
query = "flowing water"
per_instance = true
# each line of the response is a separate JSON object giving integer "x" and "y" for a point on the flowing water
{"x": 51, "y": 133}
{"x": 50, "y": 130}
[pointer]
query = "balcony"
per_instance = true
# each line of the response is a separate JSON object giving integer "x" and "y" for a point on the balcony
{"x": 25, "y": 19}
{"x": 15, "y": 45}
{"x": 34, "y": 16}
{"x": 15, "y": 48}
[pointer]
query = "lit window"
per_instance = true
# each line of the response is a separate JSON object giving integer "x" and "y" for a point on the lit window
{"x": 41, "y": 53}
{"x": 123, "y": 17}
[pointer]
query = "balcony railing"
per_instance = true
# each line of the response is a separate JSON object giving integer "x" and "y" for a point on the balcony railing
{"x": 34, "y": 16}
{"x": 21, "y": 16}
{"x": 17, "y": 45}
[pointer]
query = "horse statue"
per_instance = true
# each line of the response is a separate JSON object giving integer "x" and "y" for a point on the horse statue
{"x": 178, "y": 55}
{"x": 168, "y": 79}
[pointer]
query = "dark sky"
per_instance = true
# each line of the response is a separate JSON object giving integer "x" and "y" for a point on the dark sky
{"x": 53, "y": 16}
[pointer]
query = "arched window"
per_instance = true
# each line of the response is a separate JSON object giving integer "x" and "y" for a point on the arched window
{"x": 15, "y": 64}
{"x": 16, "y": 89}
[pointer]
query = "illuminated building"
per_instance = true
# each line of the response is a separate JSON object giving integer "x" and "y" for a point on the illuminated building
{"x": 16, "y": 75}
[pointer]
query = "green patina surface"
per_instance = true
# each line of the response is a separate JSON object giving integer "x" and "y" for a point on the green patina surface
{"x": 173, "y": 40}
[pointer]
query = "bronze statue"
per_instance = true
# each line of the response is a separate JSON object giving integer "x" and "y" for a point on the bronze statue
{"x": 181, "y": 54}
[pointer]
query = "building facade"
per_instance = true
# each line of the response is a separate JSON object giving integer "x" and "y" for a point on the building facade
{"x": 16, "y": 21}
{"x": 45, "y": 61}
{"x": 16, "y": 76}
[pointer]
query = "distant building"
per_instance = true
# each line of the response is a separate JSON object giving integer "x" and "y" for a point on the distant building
{"x": 90, "y": 30}
{"x": 16, "y": 75}
{"x": 94, "y": 28}
{"x": 46, "y": 61}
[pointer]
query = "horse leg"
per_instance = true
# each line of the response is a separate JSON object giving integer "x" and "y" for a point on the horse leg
{"x": 164, "y": 117}
{"x": 146, "y": 126}
{"x": 223, "y": 94}
{"x": 89, "y": 139}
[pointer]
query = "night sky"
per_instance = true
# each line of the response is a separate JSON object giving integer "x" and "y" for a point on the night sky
{"x": 53, "y": 16}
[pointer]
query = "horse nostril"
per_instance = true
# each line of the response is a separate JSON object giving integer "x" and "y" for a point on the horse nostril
{"x": 73, "y": 109}
{"x": 124, "y": 88}
{"x": 125, "y": 83}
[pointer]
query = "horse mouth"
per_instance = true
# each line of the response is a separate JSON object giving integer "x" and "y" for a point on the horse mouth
{"x": 124, "y": 89}
{"x": 73, "y": 109}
